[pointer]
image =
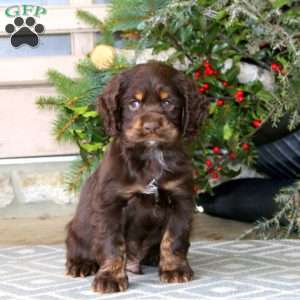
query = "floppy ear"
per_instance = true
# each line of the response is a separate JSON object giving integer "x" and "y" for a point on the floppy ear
{"x": 108, "y": 105}
{"x": 195, "y": 105}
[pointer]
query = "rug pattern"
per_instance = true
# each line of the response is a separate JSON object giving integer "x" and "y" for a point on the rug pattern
{"x": 256, "y": 270}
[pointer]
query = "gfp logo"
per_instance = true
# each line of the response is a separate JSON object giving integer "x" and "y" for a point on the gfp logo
{"x": 25, "y": 29}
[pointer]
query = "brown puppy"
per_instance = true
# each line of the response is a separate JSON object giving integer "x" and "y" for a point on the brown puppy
{"x": 137, "y": 207}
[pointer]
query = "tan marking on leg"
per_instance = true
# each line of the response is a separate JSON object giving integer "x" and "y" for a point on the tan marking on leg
{"x": 174, "y": 268}
{"x": 169, "y": 261}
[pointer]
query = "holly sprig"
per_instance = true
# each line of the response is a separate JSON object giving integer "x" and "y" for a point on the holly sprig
{"x": 235, "y": 114}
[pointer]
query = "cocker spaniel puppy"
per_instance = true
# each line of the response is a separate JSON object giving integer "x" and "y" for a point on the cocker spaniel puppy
{"x": 137, "y": 207}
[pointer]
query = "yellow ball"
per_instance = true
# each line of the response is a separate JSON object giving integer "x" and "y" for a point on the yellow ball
{"x": 103, "y": 56}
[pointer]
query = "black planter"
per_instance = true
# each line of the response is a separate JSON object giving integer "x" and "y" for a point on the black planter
{"x": 279, "y": 158}
{"x": 267, "y": 133}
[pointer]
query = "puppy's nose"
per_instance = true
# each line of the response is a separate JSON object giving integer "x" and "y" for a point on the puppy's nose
{"x": 150, "y": 126}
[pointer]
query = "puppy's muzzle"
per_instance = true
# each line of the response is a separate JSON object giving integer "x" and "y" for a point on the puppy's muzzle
{"x": 151, "y": 128}
{"x": 151, "y": 124}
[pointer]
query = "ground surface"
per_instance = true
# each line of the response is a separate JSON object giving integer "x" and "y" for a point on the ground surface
{"x": 49, "y": 231}
{"x": 227, "y": 270}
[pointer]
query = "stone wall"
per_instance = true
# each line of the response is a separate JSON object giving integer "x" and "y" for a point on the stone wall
{"x": 35, "y": 189}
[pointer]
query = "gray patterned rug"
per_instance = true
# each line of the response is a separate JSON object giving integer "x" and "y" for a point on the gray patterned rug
{"x": 255, "y": 270}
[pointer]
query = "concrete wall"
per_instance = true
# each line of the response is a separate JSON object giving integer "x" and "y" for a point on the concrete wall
{"x": 25, "y": 130}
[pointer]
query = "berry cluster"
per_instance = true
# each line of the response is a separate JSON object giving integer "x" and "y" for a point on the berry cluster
{"x": 219, "y": 158}
{"x": 230, "y": 98}
{"x": 207, "y": 70}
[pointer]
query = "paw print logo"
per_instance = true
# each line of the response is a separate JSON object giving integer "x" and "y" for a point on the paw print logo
{"x": 24, "y": 33}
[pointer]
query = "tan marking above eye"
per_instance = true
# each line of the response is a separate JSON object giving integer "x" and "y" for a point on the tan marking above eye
{"x": 163, "y": 95}
{"x": 139, "y": 96}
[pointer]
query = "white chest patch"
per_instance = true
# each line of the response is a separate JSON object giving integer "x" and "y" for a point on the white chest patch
{"x": 151, "y": 187}
{"x": 157, "y": 157}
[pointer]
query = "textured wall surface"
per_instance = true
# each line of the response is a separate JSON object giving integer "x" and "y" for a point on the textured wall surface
{"x": 35, "y": 190}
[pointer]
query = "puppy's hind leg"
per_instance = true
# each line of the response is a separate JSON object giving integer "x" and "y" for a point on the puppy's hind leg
{"x": 80, "y": 262}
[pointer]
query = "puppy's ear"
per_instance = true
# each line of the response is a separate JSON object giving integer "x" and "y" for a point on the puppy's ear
{"x": 108, "y": 105}
{"x": 195, "y": 105}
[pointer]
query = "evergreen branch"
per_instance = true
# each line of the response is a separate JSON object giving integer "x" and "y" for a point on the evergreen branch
{"x": 50, "y": 102}
{"x": 295, "y": 215}
{"x": 90, "y": 19}
{"x": 291, "y": 204}
{"x": 66, "y": 126}
{"x": 72, "y": 101}
{"x": 75, "y": 183}
{"x": 267, "y": 223}
{"x": 74, "y": 176}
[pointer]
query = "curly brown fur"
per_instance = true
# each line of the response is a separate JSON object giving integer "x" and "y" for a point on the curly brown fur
{"x": 137, "y": 207}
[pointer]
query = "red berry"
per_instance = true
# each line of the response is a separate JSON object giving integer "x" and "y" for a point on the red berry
{"x": 245, "y": 146}
{"x": 239, "y": 96}
{"x": 206, "y": 63}
{"x": 220, "y": 102}
{"x": 256, "y": 123}
{"x": 215, "y": 175}
{"x": 232, "y": 155}
{"x": 208, "y": 163}
{"x": 219, "y": 168}
{"x": 276, "y": 67}
{"x": 201, "y": 90}
{"x": 225, "y": 83}
{"x": 197, "y": 75}
{"x": 209, "y": 72}
{"x": 216, "y": 150}
{"x": 209, "y": 171}
{"x": 195, "y": 189}
{"x": 205, "y": 85}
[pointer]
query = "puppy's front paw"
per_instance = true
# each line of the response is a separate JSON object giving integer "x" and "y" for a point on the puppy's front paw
{"x": 105, "y": 283}
{"x": 181, "y": 274}
{"x": 81, "y": 268}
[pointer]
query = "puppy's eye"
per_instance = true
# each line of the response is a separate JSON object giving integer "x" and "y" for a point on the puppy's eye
{"x": 134, "y": 105}
{"x": 167, "y": 104}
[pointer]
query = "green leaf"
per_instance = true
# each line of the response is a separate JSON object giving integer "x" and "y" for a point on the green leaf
{"x": 80, "y": 133}
{"x": 90, "y": 114}
{"x": 91, "y": 147}
{"x": 232, "y": 74}
{"x": 212, "y": 108}
{"x": 280, "y": 3}
{"x": 79, "y": 110}
{"x": 253, "y": 87}
{"x": 264, "y": 95}
{"x": 231, "y": 172}
{"x": 227, "y": 132}
{"x": 220, "y": 15}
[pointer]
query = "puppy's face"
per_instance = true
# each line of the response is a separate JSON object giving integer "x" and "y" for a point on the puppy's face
{"x": 151, "y": 108}
{"x": 152, "y": 104}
